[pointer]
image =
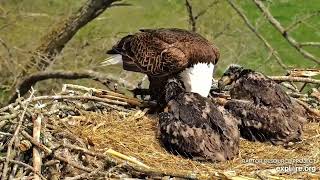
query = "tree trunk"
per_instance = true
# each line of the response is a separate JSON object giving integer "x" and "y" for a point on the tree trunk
{"x": 53, "y": 43}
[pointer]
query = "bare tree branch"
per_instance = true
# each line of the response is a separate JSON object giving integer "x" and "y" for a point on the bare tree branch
{"x": 206, "y": 9}
{"x": 255, "y": 31}
{"x": 294, "y": 79}
{"x": 310, "y": 44}
{"x": 25, "y": 84}
{"x": 193, "y": 18}
{"x": 277, "y": 25}
{"x": 6, "y": 47}
{"x": 120, "y": 4}
{"x": 53, "y": 43}
{"x": 300, "y": 20}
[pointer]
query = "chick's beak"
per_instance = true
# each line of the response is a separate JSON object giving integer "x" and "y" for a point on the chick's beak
{"x": 225, "y": 80}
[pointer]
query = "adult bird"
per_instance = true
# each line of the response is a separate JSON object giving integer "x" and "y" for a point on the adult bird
{"x": 193, "y": 127}
{"x": 266, "y": 111}
{"x": 164, "y": 53}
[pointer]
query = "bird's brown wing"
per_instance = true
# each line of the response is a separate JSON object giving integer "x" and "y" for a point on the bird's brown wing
{"x": 161, "y": 52}
{"x": 144, "y": 52}
{"x": 196, "y": 47}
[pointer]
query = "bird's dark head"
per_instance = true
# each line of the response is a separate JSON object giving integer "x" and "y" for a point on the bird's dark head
{"x": 173, "y": 88}
{"x": 232, "y": 73}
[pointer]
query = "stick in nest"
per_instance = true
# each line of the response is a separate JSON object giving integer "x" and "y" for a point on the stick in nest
{"x": 36, "y": 157}
{"x": 127, "y": 158}
{"x": 12, "y": 140}
{"x": 25, "y": 165}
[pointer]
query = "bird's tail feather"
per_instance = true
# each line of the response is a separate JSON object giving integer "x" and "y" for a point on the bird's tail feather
{"x": 113, "y": 60}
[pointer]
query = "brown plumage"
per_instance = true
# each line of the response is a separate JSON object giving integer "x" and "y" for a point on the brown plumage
{"x": 163, "y": 53}
{"x": 267, "y": 112}
{"x": 194, "y": 127}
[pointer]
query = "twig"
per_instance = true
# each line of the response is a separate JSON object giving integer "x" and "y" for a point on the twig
{"x": 193, "y": 18}
{"x": 6, "y": 47}
{"x": 26, "y": 83}
{"x": 289, "y": 86}
{"x": 299, "y": 21}
{"x": 277, "y": 25}
{"x": 84, "y": 175}
{"x": 93, "y": 98}
{"x": 255, "y": 31}
{"x": 13, "y": 171}
{"x": 206, "y": 9}
{"x": 12, "y": 140}
{"x": 120, "y": 4}
{"x": 36, "y": 157}
{"x": 294, "y": 79}
{"x": 126, "y": 158}
{"x": 25, "y": 165}
{"x": 309, "y": 109}
{"x": 9, "y": 106}
{"x": 91, "y": 153}
{"x": 5, "y": 134}
{"x": 100, "y": 92}
{"x": 9, "y": 116}
{"x": 60, "y": 158}
{"x": 309, "y": 44}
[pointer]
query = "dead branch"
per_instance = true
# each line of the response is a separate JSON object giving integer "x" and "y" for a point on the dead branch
{"x": 84, "y": 175}
{"x": 193, "y": 18}
{"x": 6, "y": 47}
{"x": 36, "y": 157}
{"x": 206, "y": 9}
{"x": 120, "y": 4}
{"x": 53, "y": 43}
{"x": 93, "y": 98}
{"x": 277, "y": 25}
{"x": 36, "y": 143}
{"x": 309, "y": 44}
{"x": 13, "y": 138}
{"x": 294, "y": 79}
{"x": 26, "y": 83}
{"x": 60, "y": 158}
{"x": 255, "y": 31}
{"x": 300, "y": 20}
{"x": 308, "y": 108}
{"x": 24, "y": 165}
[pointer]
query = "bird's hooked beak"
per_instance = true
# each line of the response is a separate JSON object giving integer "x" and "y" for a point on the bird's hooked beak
{"x": 224, "y": 81}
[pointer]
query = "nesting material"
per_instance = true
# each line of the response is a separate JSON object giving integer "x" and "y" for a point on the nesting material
{"x": 137, "y": 138}
{"x": 87, "y": 133}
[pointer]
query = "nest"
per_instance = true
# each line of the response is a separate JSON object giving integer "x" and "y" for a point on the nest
{"x": 86, "y": 133}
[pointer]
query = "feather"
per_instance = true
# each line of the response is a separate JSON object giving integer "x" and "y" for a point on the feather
{"x": 194, "y": 127}
{"x": 268, "y": 114}
{"x": 113, "y": 60}
{"x": 166, "y": 52}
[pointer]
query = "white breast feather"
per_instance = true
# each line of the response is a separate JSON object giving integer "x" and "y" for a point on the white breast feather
{"x": 198, "y": 78}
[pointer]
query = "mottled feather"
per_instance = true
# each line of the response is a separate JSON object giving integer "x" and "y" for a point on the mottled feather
{"x": 194, "y": 127}
{"x": 162, "y": 52}
{"x": 267, "y": 113}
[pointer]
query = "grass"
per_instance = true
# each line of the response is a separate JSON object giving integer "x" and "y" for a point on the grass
{"x": 23, "y": 23}
{"x": 114, "y": 130}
